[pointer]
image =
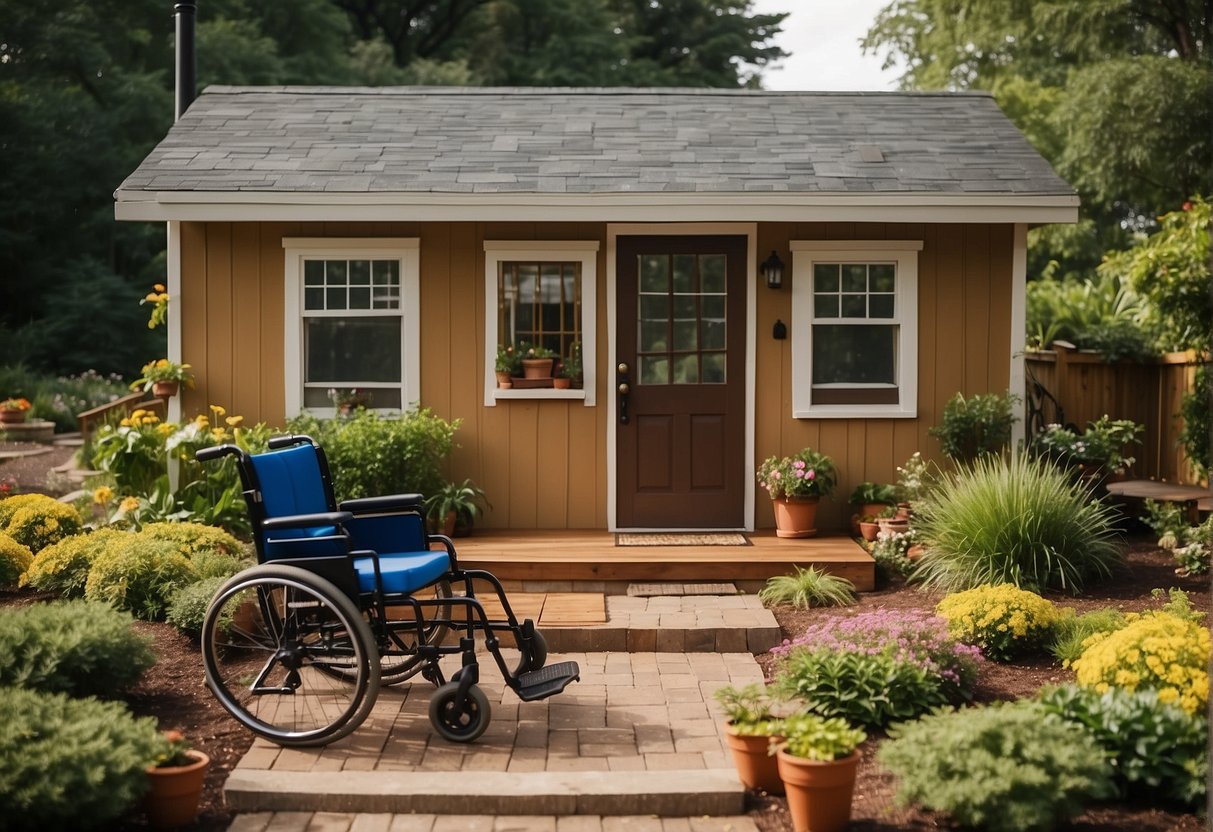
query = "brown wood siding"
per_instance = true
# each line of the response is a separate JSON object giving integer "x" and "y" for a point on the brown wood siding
{"x": 543, "y": 463}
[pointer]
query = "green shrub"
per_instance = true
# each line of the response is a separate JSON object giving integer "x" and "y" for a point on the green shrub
{"x": 1071, "y": 631}
{"x": 1002, "y": 620}
{"x": 14, "y": 560}
{"x": 219, "y": 566}
{"x": 975, "y": 427}
{"x": 63, "y": 567}
{"x": 1007, "y": 767}
{"x": 70, "y": 763}
{"x": 808, "y": 588}
{"x": 139, "y": 575}
{"x": 80, "y": 648}
{"x": 188, "y": 607}
{"x": 371, "y": 455}
{"x": 38, "y": 521}
{"x": 194, "y": 539}
{"x": 1155, "y": 749}
{"x": 1019, "y": 521}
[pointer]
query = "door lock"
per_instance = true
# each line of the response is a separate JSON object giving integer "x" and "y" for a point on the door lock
{"x": 624, "y": 387}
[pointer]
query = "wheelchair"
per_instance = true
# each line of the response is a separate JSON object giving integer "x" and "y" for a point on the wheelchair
{"x": 345, "y": 599}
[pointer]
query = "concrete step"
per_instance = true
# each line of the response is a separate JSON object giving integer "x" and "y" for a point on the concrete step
{"x": 365, "y": 822}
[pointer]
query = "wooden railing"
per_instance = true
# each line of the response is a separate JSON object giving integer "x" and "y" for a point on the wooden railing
{"x": 1084, "y": 387}
{"x": 90, "y": 420}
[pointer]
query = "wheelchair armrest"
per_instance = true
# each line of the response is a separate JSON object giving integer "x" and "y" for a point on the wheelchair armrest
{"x": 296, "y": 521}
{"x": 386, "y": 503}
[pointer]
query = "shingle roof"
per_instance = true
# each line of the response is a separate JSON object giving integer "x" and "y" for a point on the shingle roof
{"x": 596, "y": 141}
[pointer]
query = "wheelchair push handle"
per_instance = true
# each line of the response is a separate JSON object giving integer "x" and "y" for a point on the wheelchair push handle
{"x": 217, "y": 452}
{"x": 277, "y": 443}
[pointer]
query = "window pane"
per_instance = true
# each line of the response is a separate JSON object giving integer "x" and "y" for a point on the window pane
{"x": 654, "y": 369}
{"x": 865, "y": 354}
{"x": 313, "y": 273}
{"x": 684, "y": 273}
{"x": 386, "y": 272}
{"x": 313, "y": 298}
{"x": 880, "y": 306}
{"x": 654, "y": 273}
{"x": 360, "y": 272}
{"x": 711, "y": 335}
{"x": 653, "y": 336}
{"x": 825, "y": 306}
{"x": 686, "y": 369}
{"x": 711, "y": 273}
{"x": 713, "y": 368}
{"x": 712, "y": 307}
{"x": 854, "y": 306}
{"x": 335, "y": 272}
{"x": 854, "y": 278}
{"x": 684, "y": 307}
{"x": 825, "y": 277}
{"x": 655, "y": 308}
{"x": 342, "y": 350}
{"x": 360, "y": 297}
{"x": 334, "y": 298}
{"x": 686, "y": 335}
{"x": 880, "y": 276}
{"x": 387, "y": 397}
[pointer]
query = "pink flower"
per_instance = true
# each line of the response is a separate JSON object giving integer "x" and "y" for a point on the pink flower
{"x": 799, "y": 475}
{"x": 798, "y": 463}
{"x": 774, "y": 475}
{"x": 812, "y": 475}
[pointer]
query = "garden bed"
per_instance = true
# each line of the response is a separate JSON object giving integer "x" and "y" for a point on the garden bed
{"x": 1147, "y": 568}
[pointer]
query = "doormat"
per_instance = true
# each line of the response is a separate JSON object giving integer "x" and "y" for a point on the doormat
{"x": 681, "y": 539}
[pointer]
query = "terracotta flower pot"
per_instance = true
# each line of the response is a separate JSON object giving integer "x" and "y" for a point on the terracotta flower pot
{"x": 869, "y": 530}
{"x": 12, "y": 417}
{"x": 795, "y": 516}
{"x": 819, "y": 793}
{"x": 562, "y": 383}
{"x": 172, "y": 799}
{"x": 537, "y": 367}
{"x": 503, "y": 379}
{"x": 893, "y": 525}
{"x": 756, "y": 766}
{"x": 165, "y": 389}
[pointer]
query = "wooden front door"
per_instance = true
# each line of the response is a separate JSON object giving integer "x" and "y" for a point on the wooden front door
{"x": 680, "y": 428}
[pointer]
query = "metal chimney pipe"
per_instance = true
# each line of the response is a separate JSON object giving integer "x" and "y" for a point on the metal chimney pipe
{"x": 187, "y": 63}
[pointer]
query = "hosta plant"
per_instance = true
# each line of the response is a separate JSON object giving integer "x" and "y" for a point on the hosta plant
{"x": 808, "y": 588}
{"x": 1015, "y": 521}
{"x": 1002, "y": 620}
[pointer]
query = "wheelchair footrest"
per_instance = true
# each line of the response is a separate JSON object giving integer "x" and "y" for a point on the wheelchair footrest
{"x": 546, "y": 681}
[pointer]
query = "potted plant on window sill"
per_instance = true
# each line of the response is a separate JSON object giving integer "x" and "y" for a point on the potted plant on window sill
{"x": 506, "y": 366}
{"x": 454, "y": 508}
{"x": 818, "y": 762}
{"x": 347, "y": 400}
{"x": 163, "y": 378}
{"x": 750, "y": 731}
{"x": 175, "y": 783}
{"x": 795, "y": 484}
{"x": 537, "y": 361}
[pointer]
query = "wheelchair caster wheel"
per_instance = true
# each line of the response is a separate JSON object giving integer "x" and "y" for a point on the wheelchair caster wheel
{"x": 455, "y": 721}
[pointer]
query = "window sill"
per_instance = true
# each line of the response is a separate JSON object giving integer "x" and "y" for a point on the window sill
{"x": 538, "y": 393}
{"x": 852, "y": 411}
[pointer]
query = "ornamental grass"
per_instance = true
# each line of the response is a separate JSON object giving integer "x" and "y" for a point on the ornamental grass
{"x": 1018, "y": 521}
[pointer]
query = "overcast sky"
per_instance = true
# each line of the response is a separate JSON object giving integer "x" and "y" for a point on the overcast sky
{"x": 822, "y": 37}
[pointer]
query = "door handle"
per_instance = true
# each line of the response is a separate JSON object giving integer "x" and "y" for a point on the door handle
{"x": 624, "y": 388}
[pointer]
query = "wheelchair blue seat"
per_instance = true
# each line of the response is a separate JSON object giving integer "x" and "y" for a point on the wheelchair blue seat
{"x": 402, "y": 573}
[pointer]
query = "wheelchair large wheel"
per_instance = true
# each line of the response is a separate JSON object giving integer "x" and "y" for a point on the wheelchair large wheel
{"x": 271, "y": 643}
{"x": 459, "y": 722}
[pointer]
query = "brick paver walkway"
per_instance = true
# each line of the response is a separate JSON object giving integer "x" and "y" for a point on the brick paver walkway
{"x": 347, "y": 822}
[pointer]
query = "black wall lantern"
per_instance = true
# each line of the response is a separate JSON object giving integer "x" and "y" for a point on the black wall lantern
{"x": 772, "y": 270}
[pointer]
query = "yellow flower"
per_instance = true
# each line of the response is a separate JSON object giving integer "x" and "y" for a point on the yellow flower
{"x": 103, "y": 495}
{"x": 128, "y": 504}
{"x": 125, "y": 423}
{"x": 234, "y": 421}
{"x": 218, "y": 411}
{"x": 159, "y": 287}
{"x": 137, "y": 414}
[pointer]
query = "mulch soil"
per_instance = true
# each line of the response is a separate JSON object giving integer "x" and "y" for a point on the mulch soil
{"x": 175, "y": 693}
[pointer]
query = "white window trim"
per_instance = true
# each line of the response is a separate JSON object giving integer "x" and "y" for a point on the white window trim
{"x": 404, "y": 249}
{"x": 584, "y": 252}
{"x": 905, "y": 254}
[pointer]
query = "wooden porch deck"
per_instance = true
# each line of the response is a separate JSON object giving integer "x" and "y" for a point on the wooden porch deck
{"x": 591, "y": 555}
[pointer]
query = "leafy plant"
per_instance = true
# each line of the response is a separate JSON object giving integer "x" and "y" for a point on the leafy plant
{"x": 507, "y": 360}
{"x": 1003, "y": 768}
{"x": 1002, "y": 620}
{"x": 1020, "y": 521}
{"x": 14, "y": 560}
{"x": 465, "y": 500}
{"x": 890, "y": 551}
{"x": 870, "y": 492}
{"x": 975, "y": 427}
{"x": 749, "y": 710}
{"x": 814, "y": 738}
{"x": 63, "y": 567}
{"x": 1155, "y": 749}
{"x": 188, "y": 606}
{"x": 914, "y": 479}
{"x": 1165, "y": 519}
{"x": 808, "y": 588}
{"x": 139, "y": 575}
{"x": 1070, "y": 632}
{"x": 807, "y": 473}
{"x": 163, "y": 370}
{"x": 1102, "y": 444}
{"x": 1194, "y": 410}
{"x": 70, "y": 763}
{"x": 877, "y": 667}
{"x": 570, "y": 365}
{"x": 37, "y": 521}
{"x": 1154, "y": 651}
{"x": 1191, "y": 546}
{"x": 80, "y": 648}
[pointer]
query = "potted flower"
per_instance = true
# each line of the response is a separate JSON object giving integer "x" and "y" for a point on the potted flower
{"x": 891, "y": 521}
{"x": 750, "y": 730}
{"x": 455, "y": 507}
{"x": 348, "y": 399}
{"x": 868, "y": 527}
{"x": 506, "y": 366}
{"x": 817, "y": 763}
{"x": 870, "y": 498}
{"x": 164, "y": 378}
{"x": 570, "y": 366}
{"x": 795, "y": 484}
{"x": 13, "y": 411}
{"x": 536, "y": 361}
{"x": 176, "y": 780}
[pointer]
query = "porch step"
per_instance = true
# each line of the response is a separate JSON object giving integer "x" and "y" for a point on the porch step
{"x": 651, "y": 590}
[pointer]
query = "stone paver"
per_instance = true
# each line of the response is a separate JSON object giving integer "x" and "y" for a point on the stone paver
{"x": 260, "y": 821}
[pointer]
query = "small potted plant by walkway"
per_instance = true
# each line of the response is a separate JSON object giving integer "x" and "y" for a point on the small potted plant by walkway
{"x": 750, "y": 731}
{"x": 818, "y": 762}
{"x": 176, "y": 782}
{"x": 795, "y": 484}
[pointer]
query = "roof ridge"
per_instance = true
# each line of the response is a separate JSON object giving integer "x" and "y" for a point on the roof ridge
{"x": 585, "y": 91}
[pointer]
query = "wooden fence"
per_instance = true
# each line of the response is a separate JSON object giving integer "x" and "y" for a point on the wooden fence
{"x": 1083, "y": 387}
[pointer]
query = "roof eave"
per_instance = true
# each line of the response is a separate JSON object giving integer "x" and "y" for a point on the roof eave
{"x": 681, "y": 206}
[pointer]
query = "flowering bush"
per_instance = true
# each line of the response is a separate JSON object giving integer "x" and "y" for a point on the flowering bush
{"x": 19, "y": 405}
{"x": 37, "y": 521}
{"x": 14, "y": 560}
{"x": 914, "y": 479}
{"x": 890, "y": 549}
{"x": 1002, "y": 619}
{"x": 1102, "y": 444}
{"x": 877, "y": 667}
{"x": 139, "y": 574}
{"x": 63, "y": 568}
{"x": 804, "y": 474}
{"x": 1156, "y": 651}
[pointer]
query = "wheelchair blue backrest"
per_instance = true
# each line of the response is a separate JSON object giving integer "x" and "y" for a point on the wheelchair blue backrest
{"x": 292, "y": 482}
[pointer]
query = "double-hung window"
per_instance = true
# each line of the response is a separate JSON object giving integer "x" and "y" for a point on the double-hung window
{"x": 351, "y": 324}
{"x": 541, "y": 294}
{"x": 854, "y": 328}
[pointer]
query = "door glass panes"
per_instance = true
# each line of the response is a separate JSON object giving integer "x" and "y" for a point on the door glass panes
{"x": 336, "y": 285}
{"x": 682, "y": 326}
{"x": 539, "y": 304}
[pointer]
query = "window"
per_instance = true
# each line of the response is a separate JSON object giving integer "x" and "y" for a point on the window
{"x": 541, "y": 294}
{"x": 854, "y": 334}
{"x": 351, "y": 323}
